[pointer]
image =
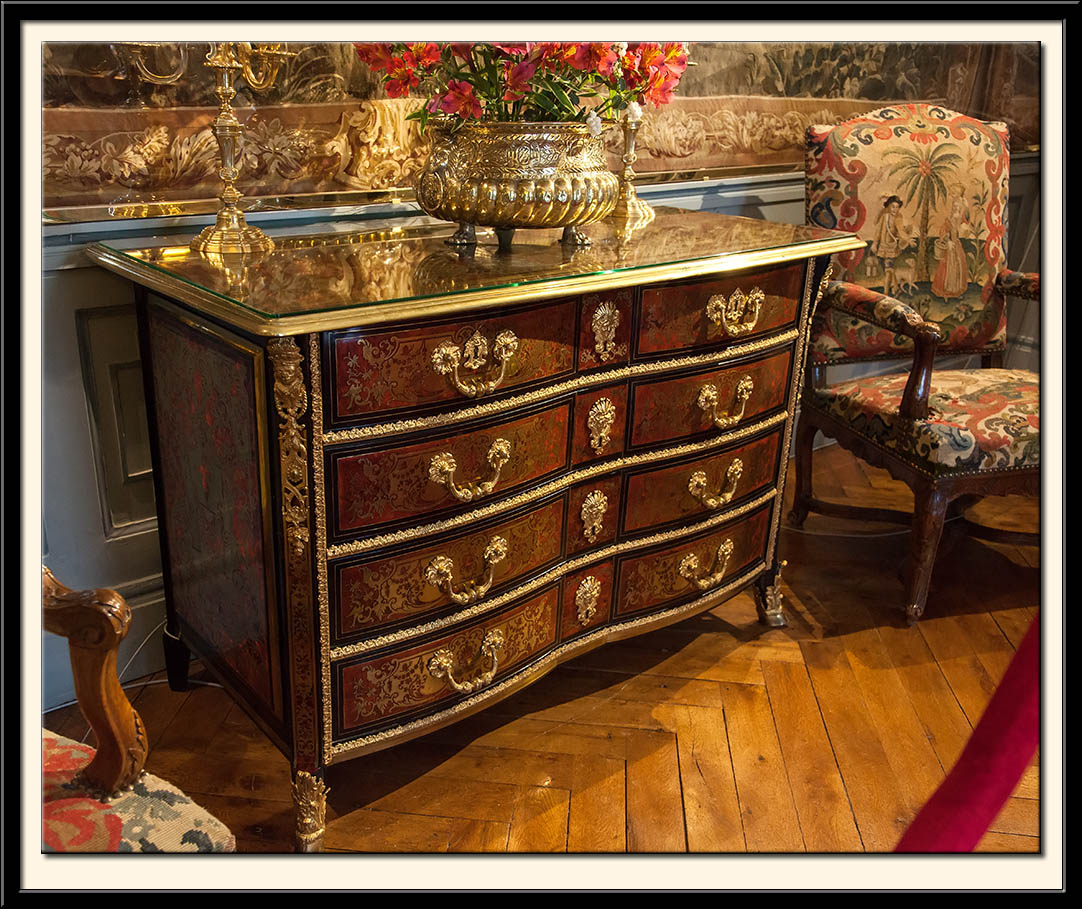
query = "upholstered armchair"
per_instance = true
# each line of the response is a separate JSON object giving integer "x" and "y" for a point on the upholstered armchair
{"x": 102, "y": 799}
{"x": 927, "y": 188}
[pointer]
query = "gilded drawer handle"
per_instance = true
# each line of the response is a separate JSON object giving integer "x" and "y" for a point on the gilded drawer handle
{"x": 599, "y": 421}
{"x": 605, "y": 321}
{"x": 442, "y": 664}
{"x": 689, "y": 567}
{"x": 447, "y": 357}
{"x": 440, "y": 571}
{"x": 443, "y": 466}
{"x": 739, "y": 314}
{"x": 593, "y": 514}
{"x": 697, "y": 486}
{"x": 708, "y": 401}
{"x": 586, "y": 598}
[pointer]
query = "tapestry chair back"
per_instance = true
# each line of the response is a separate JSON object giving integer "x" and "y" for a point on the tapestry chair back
{"x": 926, "y": 187}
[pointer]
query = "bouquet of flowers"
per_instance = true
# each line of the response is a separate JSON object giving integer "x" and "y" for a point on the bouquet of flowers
{"x": 545, "y": 82}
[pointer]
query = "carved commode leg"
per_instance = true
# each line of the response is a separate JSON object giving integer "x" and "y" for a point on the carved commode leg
{"x": 802, "y": 458}
{"x": 310, "y": 808}
{"x": 768, "y": 598}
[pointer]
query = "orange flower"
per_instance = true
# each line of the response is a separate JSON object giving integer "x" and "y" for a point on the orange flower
{"x": 659, "y": 87}
{"x": 676, "y": 58}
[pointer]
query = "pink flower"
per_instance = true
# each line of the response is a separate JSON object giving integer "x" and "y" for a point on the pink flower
{"x": 676, "y": 58}
{"x": 517, "y": 77}
{"x": 461, "y": 100}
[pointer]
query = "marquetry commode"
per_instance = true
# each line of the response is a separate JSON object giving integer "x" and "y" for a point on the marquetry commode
{"x": 397, "y": 482}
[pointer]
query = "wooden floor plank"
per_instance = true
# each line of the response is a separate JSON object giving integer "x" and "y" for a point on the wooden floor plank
{"x": 711, "y": 807}
{"x": 597, "y": 810}
{"x": 1008, "y": 842}
{"x": 880, "y": 808}
{"x": 767, "y": 810}
{"x": 364, "y": 830}
{"x": 655, "y": 807}
{"x": 539, "y": 820}
{"x": 469, "y": 835}
{"x": 822, "y": 804}
{"x": 1018, "y": 816}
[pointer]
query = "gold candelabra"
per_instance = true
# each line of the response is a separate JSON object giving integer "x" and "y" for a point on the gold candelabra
{"x": 230, "y": 233}
{"x": 631, "y": 212}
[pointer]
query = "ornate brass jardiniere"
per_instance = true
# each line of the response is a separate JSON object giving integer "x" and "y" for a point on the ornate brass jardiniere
{"x": 515, "y": 174}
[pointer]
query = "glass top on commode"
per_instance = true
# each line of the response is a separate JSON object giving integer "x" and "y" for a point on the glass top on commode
{"x": 361, "y": 262}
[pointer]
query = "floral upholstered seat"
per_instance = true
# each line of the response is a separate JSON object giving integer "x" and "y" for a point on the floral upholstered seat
{"x": 926, "y": 187}
{"x": 978, "y": 419}
{"x": 150, "y": 816}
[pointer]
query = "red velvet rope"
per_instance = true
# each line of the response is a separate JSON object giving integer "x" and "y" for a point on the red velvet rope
{"x": 997, "y": 754}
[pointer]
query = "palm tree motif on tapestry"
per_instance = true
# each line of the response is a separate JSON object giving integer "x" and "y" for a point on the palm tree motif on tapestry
{"x": 923, "y": 174}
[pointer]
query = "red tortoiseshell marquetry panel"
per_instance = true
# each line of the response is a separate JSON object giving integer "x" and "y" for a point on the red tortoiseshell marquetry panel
{"x": 674, "y": 316}
{"x": 587, "y": 599}
{"x": 670, "y": 409}
{"x": 653, "y": 580}
{"x": 382, "y": 372}
{"x": 657, "y": 497}
{"x": 392, "y": 484}
{"x": 394, "y": 589}
{"x": 605, "y": 329}
{"x": 375, "y": 689}
{"x": 207, "y": 407}
{"x": 593, "y": 513}
{"x": 600, "y": 418}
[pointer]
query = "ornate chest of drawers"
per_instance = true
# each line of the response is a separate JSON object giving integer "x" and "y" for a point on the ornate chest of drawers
{"x": 397, "y": 482}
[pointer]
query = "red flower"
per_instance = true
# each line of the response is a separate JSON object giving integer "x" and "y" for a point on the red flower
{"x": 514, "y": 50}
{"x": 423, "y": 55}
{"x": 400, "y": 78}
{"x": 461, "y": 100}
{"x": 651, "y": 56}
{"x": 377, "y": 56}
{"x": 462, "y": 51}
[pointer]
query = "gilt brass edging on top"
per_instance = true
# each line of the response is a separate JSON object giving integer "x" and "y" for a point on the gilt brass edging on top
{"x": 577, "y": 383}
{"x": 530, "y": 673}
{"x": 355, "y": 547}
{"x": 568, "y": 566}
{"x": 465, "y": 301}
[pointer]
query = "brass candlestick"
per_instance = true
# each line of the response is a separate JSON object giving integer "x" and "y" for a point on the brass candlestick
{"x": 631, "y": 212}
{"x": 230, "y": 233}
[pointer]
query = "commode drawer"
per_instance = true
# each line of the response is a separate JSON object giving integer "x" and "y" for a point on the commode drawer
{"x": 676, "y": 318}
{"x": 587, "y": 599}
{"x": 455, "y": 571}
{"x": 375, "y": 374}
{"x": 374, "y": 488}
{"x": 699, "y": 487}
{"x": 372, "y": 690}
{"x": 605, "y": 329}
{"x": 722, "y": 398}
{"x": 693, "y": 566}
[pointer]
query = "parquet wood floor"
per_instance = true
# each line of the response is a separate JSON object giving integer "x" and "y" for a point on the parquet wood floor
{"x": 713, "y": 735}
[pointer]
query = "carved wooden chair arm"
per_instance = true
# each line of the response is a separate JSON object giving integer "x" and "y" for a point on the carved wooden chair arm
{"x": 874, "y": 307}
{"x": 95, "y": 622}
{"x": 1025, "y": 284}
{"x": 901, "y": 318}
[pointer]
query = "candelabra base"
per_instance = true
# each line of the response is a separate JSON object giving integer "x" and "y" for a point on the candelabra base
{"x": 230, "y": 235}
{"x": 631, "y": 213}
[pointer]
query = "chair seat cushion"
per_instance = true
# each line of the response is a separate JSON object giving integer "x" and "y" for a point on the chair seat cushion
{"x": 153, "y": 816}
{"x": 978, "y": 419}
